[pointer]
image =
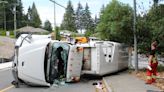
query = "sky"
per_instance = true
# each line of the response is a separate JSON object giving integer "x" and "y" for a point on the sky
{"x": 46, "y": 8}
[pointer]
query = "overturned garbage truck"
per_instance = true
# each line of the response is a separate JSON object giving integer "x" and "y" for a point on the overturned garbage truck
{"x": 40, "y": 60}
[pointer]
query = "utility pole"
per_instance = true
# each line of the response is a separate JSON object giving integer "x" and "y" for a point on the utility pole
{"x": 15, "y": 18}
{"x": 15, "y": 21}
{"x": 4, "y": 14}
{"x": 54, "y": 14}
{"x": 135, "y": 38}
{"x": 55, "y": 3}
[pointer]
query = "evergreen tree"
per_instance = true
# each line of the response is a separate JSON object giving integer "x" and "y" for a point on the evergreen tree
{"x": 88, "y": 21}
{"x": 9, "y": 14}
{"x": 102, "y": 10}
{"x": 47, "y": 26}
{"x": 33, "y": 17}
{"x": 79, "y": 17}
{"x": 96, "y": 21}
{"x": 69, "y": 19}
{"x": 9, "y": 9}
{"x": 2, "y": 8}
{"x": 20, "y": 15}
{"x": 29, "y": 20}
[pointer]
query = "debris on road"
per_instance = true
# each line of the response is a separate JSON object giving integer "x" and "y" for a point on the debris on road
{"x": 100, "y": 87}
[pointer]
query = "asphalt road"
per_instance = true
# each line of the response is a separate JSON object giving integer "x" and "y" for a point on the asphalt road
{"x": 6, "y": 78}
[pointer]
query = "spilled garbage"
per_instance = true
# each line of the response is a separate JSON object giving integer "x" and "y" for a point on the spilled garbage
{"x": 99, "y": 87}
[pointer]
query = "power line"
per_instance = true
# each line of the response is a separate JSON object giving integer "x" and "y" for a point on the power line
{"x": 58, "y": 4}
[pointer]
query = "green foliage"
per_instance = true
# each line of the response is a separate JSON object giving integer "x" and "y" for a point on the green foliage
{"x": 150, "y": 26}
{"x": 69, "y": 19}
{"x": 88, "y": 33}
{"x": 47, "y": 26}
{"x": 7, "y": 9}
{"x": 33, "y": 17}
{"x": 160, "y": 68}
{"x": 20, "y": 16}
{"x": 116, "y": 23}
{"x": 3, "y": 33}
{"x": 87, "y": 19}
{"x": 57, "y": 33}
{"x": 144, "y": 34}
{"x": 79, "y": 17}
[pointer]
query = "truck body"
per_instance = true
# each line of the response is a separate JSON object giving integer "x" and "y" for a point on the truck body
{"x": 40, "y": 60}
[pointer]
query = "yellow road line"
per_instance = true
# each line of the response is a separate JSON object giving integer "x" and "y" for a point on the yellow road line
{"x": 104, "y": 87}
{"x": 7, "y": 88}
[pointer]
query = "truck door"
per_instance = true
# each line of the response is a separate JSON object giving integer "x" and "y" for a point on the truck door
{"x": 74, "y": 65}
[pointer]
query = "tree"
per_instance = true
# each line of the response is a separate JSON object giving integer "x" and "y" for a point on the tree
{"x": 2, "y": 8}
{"x": 69, "y": 19}
{"x": 102, "y": 10}
{"x": 144, "y": 34}
{"x": 156, "y": 21}
{"x": 79, "y": 17}
{"x": 150, "y": 26}
{"x": 88, "y": 21}
{"x": 20, "y": 16}
{"x": 47, "y": 26}
{"x": 33, "y": 17}
{"x": 96, "y": 21}
{"x": 116, "y": 23}
{"x": 9, "y": 9}
{"x": 156, "y": 2}
{"x": 9, "y": 14}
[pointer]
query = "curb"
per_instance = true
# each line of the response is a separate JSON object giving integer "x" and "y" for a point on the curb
{"x": 108, "y": 87}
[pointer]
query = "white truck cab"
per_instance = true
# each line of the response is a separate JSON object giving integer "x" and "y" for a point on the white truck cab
{"x": 40, "y": 60}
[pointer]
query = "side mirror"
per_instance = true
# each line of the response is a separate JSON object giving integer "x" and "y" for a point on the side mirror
{"x": 29, "y": 36}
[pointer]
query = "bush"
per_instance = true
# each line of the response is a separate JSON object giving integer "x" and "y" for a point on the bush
{"x": 3, "y": 33}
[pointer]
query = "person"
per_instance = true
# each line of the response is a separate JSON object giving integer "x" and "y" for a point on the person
{"x": 60, "y": 62}
{"x": 151, "y": 71}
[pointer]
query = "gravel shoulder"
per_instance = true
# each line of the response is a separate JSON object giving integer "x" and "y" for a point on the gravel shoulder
{"x": 6, "y": 47}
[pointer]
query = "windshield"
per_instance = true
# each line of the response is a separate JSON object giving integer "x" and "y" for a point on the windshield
{"x": 58, "y": 61}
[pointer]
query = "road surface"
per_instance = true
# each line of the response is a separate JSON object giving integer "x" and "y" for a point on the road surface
{"x": 6, "y": 78}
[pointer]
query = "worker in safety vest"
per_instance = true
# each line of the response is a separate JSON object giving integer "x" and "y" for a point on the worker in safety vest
{"x": 151, "y": 72}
